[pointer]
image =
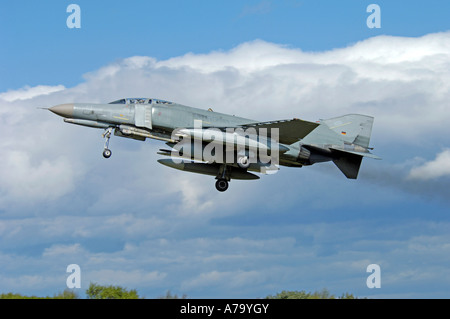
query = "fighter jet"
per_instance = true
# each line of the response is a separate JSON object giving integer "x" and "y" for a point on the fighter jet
{"x": 226, "y": 146}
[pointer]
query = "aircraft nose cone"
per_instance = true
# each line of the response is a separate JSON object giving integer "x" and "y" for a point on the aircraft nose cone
{"x": 64, "y": 110}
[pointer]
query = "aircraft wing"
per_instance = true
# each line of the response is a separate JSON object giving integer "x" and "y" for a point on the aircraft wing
{"x": 290, "y": 131}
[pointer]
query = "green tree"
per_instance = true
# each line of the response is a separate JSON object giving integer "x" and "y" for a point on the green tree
{"x": 110, "y": 292}
{"x": 11, "y": 295}
{"x": 323, "y": 294}
{"x": 169, "y": 295}
{"x": 66, "y": 294}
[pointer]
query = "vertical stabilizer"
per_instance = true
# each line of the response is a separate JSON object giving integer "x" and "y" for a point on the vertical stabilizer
{"x": 352, "y": 128}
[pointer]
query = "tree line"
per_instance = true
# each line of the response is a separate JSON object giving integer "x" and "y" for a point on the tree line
{"x": 96, "y": 291}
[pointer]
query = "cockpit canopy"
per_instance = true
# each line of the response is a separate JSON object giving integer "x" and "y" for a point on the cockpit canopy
{"x": 140, "y": 101}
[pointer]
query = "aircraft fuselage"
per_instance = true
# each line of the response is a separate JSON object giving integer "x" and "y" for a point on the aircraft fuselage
{"x": 343, "y": 140}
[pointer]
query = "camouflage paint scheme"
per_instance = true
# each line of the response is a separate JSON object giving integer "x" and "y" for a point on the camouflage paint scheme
{"x": 343, "y": 140}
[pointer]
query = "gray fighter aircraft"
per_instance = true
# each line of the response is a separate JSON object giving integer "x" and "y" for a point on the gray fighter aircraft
{"x": 226, "y": 146}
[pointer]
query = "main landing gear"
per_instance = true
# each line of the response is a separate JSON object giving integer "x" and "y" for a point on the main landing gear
{"x": 222, "y": 185}
{"x": 106, "y": 151}
{"x": 223, "y": 177}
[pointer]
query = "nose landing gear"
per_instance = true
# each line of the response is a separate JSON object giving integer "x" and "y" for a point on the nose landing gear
{"x": 107, "y": 134}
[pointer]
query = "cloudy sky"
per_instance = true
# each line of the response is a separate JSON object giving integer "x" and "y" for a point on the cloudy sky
{"x": 132, "y": 222}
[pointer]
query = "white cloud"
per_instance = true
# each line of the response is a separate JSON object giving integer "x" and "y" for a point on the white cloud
{"x": 403, "y": 82}
{"x": 46, "y": 180}
{"x": 28, "y": 92}
{"x": 63, "y": 250}
{"x": 165, "y": 219}
{"x": 439, "y": 167}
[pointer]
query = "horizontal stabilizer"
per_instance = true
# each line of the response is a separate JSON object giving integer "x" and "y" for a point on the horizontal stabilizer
{"x": 349, "y": 165}
{"x": 290, "y": 131}
{"x": 347, "y": 162}
{"x": 363, "y": 154}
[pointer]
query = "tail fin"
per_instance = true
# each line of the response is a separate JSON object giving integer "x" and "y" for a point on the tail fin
{"x": 352, "y": 128}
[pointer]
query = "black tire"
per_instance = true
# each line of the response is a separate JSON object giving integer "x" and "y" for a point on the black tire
{"x": 221, "y": 185}
{"x": 107, "y": 153}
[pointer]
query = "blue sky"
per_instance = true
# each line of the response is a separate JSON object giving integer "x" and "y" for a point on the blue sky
{"x": 128, "y": 221}
{"x": 38, "y": 47}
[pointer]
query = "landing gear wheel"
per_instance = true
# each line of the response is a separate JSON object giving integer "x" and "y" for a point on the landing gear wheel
{"x": 107, "y": 153}
{"x": 221, "y": 185}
